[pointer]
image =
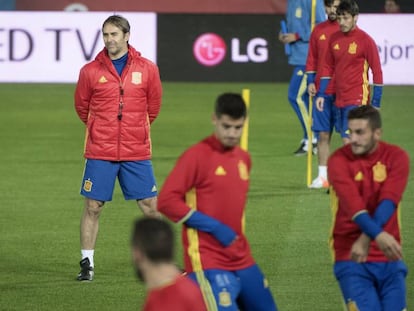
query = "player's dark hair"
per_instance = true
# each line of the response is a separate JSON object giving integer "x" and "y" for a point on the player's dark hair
{"x": 118, "y": 21}
{"x": 155, "y": 238}
{"x": 230, "y": 104}
{"x": 366, "y": 112}
{"x": 328, "y": 2}
{"x": 347, "y": 6}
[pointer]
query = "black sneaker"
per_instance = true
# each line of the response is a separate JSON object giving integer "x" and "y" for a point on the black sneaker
{"x": 301, "y": 150}
{"x": 86, "y": 273}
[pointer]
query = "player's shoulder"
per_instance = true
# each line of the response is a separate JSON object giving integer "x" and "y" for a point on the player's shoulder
{"x": 393, "y": 150}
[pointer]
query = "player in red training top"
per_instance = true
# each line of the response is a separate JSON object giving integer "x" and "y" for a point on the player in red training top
{"x": 324, "y": 120}
{"x": 351, "y": 53}
{"x": 153, "y": 253}
{"x": 368, "y": 179}
{"x": 207, "y": 192}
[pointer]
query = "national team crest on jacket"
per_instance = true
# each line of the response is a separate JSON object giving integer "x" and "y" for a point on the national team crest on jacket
{"x": 136, "y": 77}
{"x": 243, "y": 172}
{"x": 379, "y": 171}
{"x": 352, "y": 49}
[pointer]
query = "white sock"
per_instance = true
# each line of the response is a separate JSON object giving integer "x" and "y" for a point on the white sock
{"x": 323, "y": 171}
{"x": 88, "y": 253}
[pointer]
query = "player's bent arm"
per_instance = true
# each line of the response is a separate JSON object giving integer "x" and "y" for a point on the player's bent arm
{"x": 179, "y": 183}
{"x": 223, "y": 233}
{"x": 367, "y": 224}
{"x": 384, "y": 211}
{"x": 83, "y": 93}
{"x": 154, "y": 93}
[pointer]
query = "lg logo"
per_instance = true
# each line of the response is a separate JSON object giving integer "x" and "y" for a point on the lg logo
{"x": 209, "y": 49}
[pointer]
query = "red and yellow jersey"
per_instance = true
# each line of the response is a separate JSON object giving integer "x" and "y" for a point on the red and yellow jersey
{"x": 360, "y": 183}
{"x": 318, "y": 46}
{"x": 349, "y": 58}
{"x": 182, "y": 294}
{"x": 215, "y": 181}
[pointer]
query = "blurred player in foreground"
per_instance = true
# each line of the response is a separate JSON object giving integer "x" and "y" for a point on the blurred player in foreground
{"x": 350, "y": 55}
{"x": 300, "y": 17}
{"x": 324, "y": 120}
{"x": 153, "y": 258}
{"x": 118, "y": 96}
{"x": 207, "y": 192}
{"x": 368, "y": 178}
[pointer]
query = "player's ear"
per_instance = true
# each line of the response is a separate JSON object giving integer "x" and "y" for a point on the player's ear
{"x": 127, "y": 37}
{"x": 377, "y": 134}
{"x": 214, "y": 119}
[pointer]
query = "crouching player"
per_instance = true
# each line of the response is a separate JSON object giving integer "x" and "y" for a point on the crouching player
{"x": 368, "y": 177}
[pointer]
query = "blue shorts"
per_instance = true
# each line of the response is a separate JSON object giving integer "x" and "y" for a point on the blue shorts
{"x": 245, "y": 289}
{"x": 372, "y": 286}
{"x": 343, "y": 120}
{"x": 136, "y": 179}
{"x": 326, "y": 120}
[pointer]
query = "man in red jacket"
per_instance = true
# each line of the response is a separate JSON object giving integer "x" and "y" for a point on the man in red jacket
{"x": 118, "y": 96}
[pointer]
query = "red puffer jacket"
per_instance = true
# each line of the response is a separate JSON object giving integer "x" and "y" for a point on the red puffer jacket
{"x": 118, "y": 110}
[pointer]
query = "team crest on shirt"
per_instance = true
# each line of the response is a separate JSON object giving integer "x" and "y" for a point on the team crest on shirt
{"x": 87, "y": 185}
{"x": 351, "y": 305}
{"x": 136, "y": 77}
{"x": 379, "y": 171}
{"x": 359, "y": 176}
{"x": 322, "y": 37}
{"x": 352, "y": 48}
{"x": 243, "y": 171}
{"x": 224, "y": 298}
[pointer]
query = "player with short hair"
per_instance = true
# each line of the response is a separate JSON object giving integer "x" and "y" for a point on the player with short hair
{"x": 152, "y": 246}
{"x": 301, "y": 15}
{"x": 351, "y": 53}
{"x": 324, "y": 120}
{"x": 118, "y": 96}
{"x": 368, "y": 178}
{"x": 207, "y": 191}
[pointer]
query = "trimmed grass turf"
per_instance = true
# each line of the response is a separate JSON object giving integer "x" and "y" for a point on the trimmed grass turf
{"x": 287, "y": 224}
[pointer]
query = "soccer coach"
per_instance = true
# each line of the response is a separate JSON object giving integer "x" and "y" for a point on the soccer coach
{"x": 118, "y": 96}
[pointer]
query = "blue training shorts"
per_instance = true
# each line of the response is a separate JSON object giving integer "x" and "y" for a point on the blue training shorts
{"x": 245, "y": 289}
{"x": 373, "y": 285}
{"x": 136, "y": 179}
{"x": 326, "y": 120}
{"x": 343, "y": 119}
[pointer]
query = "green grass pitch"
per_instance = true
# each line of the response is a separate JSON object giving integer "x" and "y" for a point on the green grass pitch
{"x": 287, "y": 224}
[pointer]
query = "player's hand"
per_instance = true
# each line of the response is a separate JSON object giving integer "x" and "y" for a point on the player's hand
{"x": 312, "y": 89}
{"x": 319, "y": 103}
{"x": 360, "y": 248}
{"x": 287, "y": 37}
{"x": 389, "y": 246}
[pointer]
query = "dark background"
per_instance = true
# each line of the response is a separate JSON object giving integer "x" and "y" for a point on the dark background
{"x": 177, "y": 33}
